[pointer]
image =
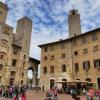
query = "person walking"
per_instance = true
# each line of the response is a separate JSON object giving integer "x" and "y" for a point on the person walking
{"x": 55, "y": 93}
{"x": 90, "y": 94}
{"x": 23, "y": 93}
{"x": 0, "y": 91}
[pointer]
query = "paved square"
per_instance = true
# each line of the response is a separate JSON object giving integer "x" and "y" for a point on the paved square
{"x": 33, "y": 95}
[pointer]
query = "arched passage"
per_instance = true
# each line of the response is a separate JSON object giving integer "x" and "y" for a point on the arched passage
{"x": 30, "y": 75}
{"x": 33, "y": 71}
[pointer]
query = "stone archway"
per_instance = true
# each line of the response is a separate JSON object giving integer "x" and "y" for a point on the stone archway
{"x": 33, "y": 66}
{"x": 30, "y": 75}
{"x": 34, "y": 77}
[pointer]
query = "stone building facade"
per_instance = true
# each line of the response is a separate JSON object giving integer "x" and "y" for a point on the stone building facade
{"x": 14, "y": 50}
{"x": 74, "y": 59}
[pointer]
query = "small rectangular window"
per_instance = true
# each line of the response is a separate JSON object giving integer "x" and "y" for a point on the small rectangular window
{"x": 86, "y": 65}
{"x": 52, "y": 57}
{"x": 45, "y": 49}
{"x": 76, "y": 67}
{"x": 14, "y": 51}
{"x": 45, "y": 70}
{"x": 1, "y": 56}
{"x": 95, "y": 48}
{"x": 12, "y": 73}
{"x": 85, "y": 51}
{"x": 63, "y": 68}
{"x": 84, "y": 40}
{"x": 74, "y": 42}
{"x": 63, "y": 55}
{"x": 94, "y": 36}
{"x": 76, "y": 53}
{"x": 1, "y": 66}
{"x": 45, "y": 58}
{"x": 14, "y": 61}
{"x": 73, "y": 12}
{"x": 52, "y": 69}
{"x": 97, "y": 63}
{"x": 0, "y": 79}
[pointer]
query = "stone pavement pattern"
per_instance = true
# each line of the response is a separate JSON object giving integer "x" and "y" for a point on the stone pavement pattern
{"x": 33, "y": 95}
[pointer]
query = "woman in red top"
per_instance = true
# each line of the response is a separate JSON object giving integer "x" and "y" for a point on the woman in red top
{"x": 91, "y": 93}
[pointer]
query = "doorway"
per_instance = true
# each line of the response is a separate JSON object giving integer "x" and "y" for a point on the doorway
{"x": 98, "y": 80}
{"x": 52, "y": 83}
{"x": 64, "y": 84}
{"x": 30, "y": 76}
{"x": 11, "y": 81}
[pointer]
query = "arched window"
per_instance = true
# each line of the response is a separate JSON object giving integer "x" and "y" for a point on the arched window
{"x": 4, "y": 43}
{"x": 88, "y": 79}
{"x": 64, "y": 80}
{"x": 12, "y": 73}
{"x": 78, "y": 80}
{"x": 6, "y": 30}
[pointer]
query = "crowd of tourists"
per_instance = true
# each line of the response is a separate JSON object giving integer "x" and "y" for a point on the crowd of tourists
{"x": 90, "y": 94}
{"x": 14, "y": 92}
{"x": 52, "y": 94}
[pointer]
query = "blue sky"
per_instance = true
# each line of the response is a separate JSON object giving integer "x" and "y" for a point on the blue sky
{"x": 50, "y": 18}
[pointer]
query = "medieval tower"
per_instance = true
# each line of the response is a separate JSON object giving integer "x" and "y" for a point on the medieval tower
{"x": 14, "y": 50}
{"x": 74, "y": 23}
{"x": 22, "y": 39}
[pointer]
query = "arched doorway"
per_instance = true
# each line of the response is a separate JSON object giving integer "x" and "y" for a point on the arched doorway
{"x": 30, "y": 76}
{"x": 98, "y": 80}
{"x": 78, "y": 83}
{"x": 64, "y": 84}
{"x": 52, "y": 83}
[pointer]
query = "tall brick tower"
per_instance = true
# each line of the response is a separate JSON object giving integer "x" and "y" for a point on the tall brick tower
{"x": 74, "y": 23}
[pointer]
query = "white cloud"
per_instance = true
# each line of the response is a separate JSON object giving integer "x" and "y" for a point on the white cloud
{"x": 3, "y": 1}
{"x": 97, "y": 4}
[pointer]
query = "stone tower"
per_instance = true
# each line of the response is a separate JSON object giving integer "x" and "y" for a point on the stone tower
{"x": 23, "y": 33}
{"x": 74, "y": 23}
{"x": 23, "y": 38}
{"x": 3, "y": 12}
